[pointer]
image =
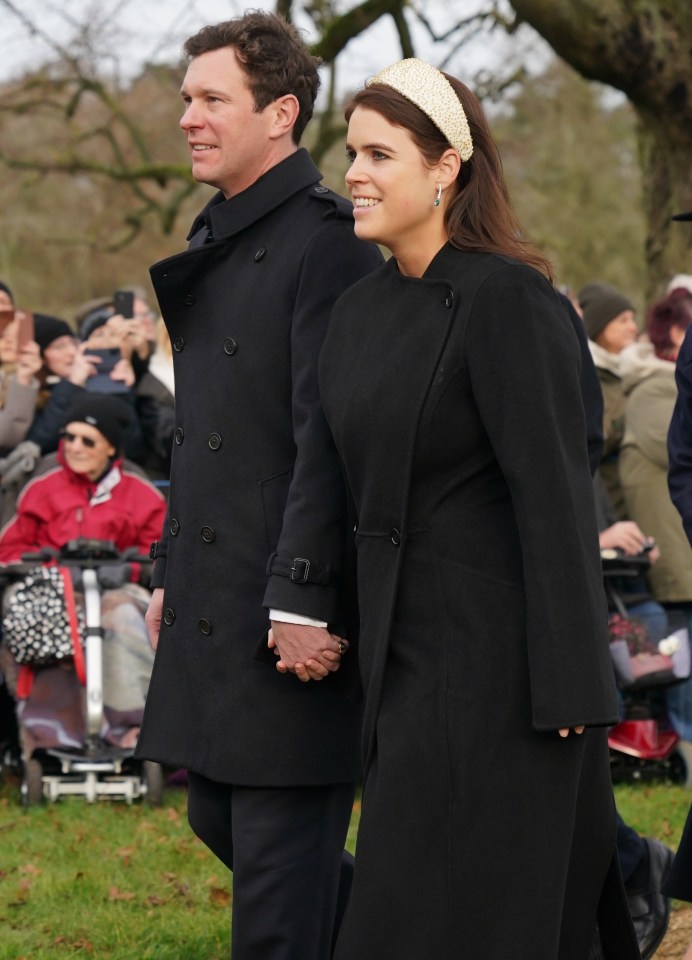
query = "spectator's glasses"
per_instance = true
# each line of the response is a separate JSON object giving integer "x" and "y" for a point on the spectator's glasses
{"x": 88, "y": 442}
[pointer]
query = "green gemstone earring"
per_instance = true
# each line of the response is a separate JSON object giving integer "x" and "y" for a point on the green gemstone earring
{"x": 436, "y": 202}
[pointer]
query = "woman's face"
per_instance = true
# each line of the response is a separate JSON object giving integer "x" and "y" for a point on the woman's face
{"x": 86, "y": 450}
{"x": 619, "y": 333}
{"x": 392, "y": 188}
{"x": 59, "y": 356}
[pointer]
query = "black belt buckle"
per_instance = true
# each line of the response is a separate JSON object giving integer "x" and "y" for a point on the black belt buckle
{"x": 299, "y": 575}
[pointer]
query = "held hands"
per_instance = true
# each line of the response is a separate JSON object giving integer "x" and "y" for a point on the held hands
{"x": 311, "y": 653}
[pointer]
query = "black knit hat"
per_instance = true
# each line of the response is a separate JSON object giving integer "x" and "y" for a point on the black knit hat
{"x": 110, "y": 416}
{"x": 97, "y": 317}
{"x": 600, "y": 304}
{"x": 47, "y": 329}
{"x": 3, "y": 286}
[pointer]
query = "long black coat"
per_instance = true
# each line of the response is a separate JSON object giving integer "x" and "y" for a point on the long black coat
{"x": 255, "y": 483}
{"x": 455, "y": 404}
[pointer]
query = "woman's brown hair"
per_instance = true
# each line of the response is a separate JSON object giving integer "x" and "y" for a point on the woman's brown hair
{"x": 480, "y": 216}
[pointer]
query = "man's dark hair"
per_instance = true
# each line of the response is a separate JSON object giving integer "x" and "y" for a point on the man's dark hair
{"x": 272, "y": 53}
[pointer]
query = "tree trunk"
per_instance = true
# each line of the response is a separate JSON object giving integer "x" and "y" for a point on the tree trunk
{"x": 644, "y": 50}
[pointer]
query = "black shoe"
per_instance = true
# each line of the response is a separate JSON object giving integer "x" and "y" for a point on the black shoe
{"x": 650, "y": 910}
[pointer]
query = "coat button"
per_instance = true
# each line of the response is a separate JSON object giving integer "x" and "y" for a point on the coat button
{"x": 214, "y": 441}
{"x": 178, "y": 344}
{"x": 208, "y": 534}
{"x": 189, "y": 300}
{"x": 321, "y": 189}
{"x": 205, "y": 626}
{"x": 179, "y": 435}
{"x": 395, "y": 536}
{"x": 261, "y": 253}
{"x": 449, "y": 299}
{"x": 230, "y": 346}
{"x": 174, "y": 527}
{"x": 168, "y": 616}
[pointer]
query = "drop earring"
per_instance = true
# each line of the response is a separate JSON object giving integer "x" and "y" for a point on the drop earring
{"x": 436, "y": 202}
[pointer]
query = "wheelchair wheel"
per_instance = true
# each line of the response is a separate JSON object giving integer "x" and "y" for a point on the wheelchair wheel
{"x": 683, "y": 751}
{"x": 32, "y": 783}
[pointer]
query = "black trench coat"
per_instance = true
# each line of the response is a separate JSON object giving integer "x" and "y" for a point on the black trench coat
{"x": 255, "y": 483}
{"x": 456, "y": 407}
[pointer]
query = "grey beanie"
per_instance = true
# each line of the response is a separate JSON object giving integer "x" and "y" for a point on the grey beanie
{"x": 600, "y": 304}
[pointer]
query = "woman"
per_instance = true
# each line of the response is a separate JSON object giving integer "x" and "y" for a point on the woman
{"x": 450, "y": 379}
{"x": 19, "y": 365}
{"x": 68, "y": 366}
{"x": 609, "y": 320}
{"x": 90, "y": 494}
{"x": 648, "y": 379}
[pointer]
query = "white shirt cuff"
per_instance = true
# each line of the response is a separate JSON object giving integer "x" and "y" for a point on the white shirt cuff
{"x": 286, "y": 617}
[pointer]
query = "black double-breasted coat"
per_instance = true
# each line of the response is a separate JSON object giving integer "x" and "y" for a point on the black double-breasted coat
{"x": 256, "y": 511}
{"x": 456, "y": 407}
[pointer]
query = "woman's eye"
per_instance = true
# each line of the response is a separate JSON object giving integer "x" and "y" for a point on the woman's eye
{"x": 350, "y": 155}
{"x": 377, "y": 155}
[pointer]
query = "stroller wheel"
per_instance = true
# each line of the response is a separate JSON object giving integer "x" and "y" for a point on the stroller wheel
{"x": 32, "y": 783}
{"x": 152, "y": 783}
{"x": 684, "y": 752}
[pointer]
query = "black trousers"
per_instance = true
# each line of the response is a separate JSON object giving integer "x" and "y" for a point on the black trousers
{"x": 291, "y": 875}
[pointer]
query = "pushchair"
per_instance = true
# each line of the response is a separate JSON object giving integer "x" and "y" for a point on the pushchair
{"x": 643, "y": 745}
{"x": 72, "y": 756}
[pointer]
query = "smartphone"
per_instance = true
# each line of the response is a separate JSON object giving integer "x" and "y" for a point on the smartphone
{"x": 101, "y": 381}
{"x": 6, "y": 318}
{"x": 25, "y": 331}
{"x": 124, "y": 303}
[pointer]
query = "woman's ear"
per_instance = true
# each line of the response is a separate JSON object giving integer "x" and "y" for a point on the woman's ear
{"x": 448, "y": 167}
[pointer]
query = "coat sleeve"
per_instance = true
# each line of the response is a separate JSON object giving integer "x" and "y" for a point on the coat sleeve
{"x": 523, "y": 361}
{"x": 17, "y": 414}
{"x": 23, "y": 532}
{"x": 313, "y": 528}
{"x": 680, "y": 438}
{"x": 45, "y": 430}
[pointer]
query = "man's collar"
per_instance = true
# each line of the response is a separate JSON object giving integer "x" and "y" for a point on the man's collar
{"x": 228, "y": 217}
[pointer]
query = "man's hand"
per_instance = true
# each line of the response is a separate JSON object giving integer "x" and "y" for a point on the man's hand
{"x": 311, "y": 653}
{"x": 153, "y": 616}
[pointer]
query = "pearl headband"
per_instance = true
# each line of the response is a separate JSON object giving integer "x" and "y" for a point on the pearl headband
{"x": 431, "y": 92}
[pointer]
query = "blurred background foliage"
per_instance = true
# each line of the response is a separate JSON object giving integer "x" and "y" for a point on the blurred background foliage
{"x": 96, "y": 184}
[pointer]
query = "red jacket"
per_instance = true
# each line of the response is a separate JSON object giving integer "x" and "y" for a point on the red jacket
{"x": 61, "y": 505}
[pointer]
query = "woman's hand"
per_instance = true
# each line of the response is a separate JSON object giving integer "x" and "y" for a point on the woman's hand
{"x": 565, "y": 731}
{"x": 123, "y": 372}
{"x": 29, "y": 362}
{"x": 83, "y": 365}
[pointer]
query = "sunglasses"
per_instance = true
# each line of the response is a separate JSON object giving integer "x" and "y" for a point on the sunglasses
{"x": 88, "y": 442}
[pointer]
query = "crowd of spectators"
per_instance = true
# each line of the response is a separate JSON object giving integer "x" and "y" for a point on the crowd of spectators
{"x": 86, "y": 434}
{"x": 636, "y": 368}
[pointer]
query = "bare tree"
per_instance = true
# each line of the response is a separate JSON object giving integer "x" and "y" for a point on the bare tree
{"x": 643, "y": 49}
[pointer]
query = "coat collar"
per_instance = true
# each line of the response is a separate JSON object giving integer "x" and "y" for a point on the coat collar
{"x": 225, "y": 218}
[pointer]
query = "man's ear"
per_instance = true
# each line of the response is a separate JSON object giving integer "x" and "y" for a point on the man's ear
{"x": 285, "y": 113}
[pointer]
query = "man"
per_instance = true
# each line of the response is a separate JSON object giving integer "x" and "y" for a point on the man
{"x": 256, "y": 514}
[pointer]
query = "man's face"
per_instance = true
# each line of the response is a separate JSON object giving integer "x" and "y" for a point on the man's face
{"x": 230, "y": 143}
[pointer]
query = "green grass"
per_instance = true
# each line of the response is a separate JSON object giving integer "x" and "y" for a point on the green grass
{"x": 118, "y": 883}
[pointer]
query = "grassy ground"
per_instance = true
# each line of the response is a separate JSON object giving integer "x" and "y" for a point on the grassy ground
{"x": 116, "y": 882}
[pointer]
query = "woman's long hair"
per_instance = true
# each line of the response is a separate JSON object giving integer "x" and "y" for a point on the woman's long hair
{"x": 480, "y": 216}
